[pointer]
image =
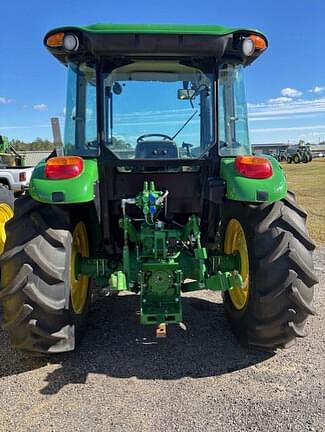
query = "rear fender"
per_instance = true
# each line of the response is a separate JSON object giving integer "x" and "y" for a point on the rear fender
{"x": 240, "y": 188}
{"x": 78, "y": 189}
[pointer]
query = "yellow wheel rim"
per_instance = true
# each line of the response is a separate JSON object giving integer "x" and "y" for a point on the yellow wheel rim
{"x": 78, "y": 284}
{"x": 6, "y": 213}
{"x": 235, "y": 241}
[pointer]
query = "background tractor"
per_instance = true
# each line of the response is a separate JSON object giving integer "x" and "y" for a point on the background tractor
{"x": 156, "y": 191}
{"x": 295, "y": 154}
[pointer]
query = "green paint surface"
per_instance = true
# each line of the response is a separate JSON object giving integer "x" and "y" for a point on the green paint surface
{"x": 75, "y": 190}
{"x": 240, "y": 188}
{"x": 213, "y": 30}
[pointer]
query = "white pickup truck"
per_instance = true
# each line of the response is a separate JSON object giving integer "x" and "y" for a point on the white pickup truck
{"x": 13, "y": 174}
{"x": 15, "y": 178}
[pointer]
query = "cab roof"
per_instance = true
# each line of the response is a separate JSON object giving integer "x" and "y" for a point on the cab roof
{"x": 154, "y": 40}
{"x": 213, "y": 30}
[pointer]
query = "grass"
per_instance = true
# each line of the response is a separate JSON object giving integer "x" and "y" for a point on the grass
{"x": 308, "y": 182}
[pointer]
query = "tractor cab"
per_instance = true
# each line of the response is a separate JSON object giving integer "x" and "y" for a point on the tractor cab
{"x": 159, "y": 93}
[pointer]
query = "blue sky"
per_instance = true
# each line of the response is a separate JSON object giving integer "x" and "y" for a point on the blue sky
{"x": 285, "y": 88}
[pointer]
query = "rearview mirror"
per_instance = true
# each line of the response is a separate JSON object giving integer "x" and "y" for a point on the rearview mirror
{"x": 185, "y": 94}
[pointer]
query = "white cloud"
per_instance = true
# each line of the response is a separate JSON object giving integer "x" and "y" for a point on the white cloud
{"x": 176, "y": 122}
{"x": 291, "y": 107}
{"x": 293, "y": 116}
{"x": 5, "y": 100}
{"x": 286, "y": 129}
{"x": 317, "y": 89}
{"x": 256, "y": 105}
{"x": 159, "y": 114}
{"x": 25, "y": 127}
{"x": 279, "y": 100}
{"x": 292, "y": 110}
{"x": 141, "y": 118}
{"x": 291, "y": 92}
{"x": 40, "y": 107}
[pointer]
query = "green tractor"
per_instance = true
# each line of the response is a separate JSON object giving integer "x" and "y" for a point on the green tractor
{"x": 156, "y": 191}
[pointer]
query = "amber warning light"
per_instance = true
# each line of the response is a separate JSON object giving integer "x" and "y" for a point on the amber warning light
{"x": 69, "y": 41}
{"x": 256, "y": 167}
{"x": 64, "y": 167}
{"x": 55, "y": 40}
{"x": 251, "y": 44}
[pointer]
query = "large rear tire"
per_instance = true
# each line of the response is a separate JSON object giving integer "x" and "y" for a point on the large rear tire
{"x": 270, "y": 311}
{"x": 43, "y": 310}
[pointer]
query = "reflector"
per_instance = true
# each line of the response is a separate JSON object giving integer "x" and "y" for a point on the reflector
{"x": 64, "y": 167}
{"x": 22, "y": 176}
{"x": 254, "y": 167}
{"x": 55, "y": 40}
{"x": 259, "y": 42}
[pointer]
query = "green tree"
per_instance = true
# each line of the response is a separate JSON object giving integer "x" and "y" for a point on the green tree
{"x": 37, "y": 144}
{"x": 120, "y": 144}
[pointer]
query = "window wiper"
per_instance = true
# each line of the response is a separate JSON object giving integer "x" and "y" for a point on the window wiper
{"x": 186, "y": 123}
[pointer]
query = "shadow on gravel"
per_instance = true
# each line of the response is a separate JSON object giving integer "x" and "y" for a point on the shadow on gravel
{"x": 118, "y": 346}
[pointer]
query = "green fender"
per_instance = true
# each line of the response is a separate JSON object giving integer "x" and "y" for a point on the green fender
{"x": 78, "y": 189}
{"x": 240, "y": 188}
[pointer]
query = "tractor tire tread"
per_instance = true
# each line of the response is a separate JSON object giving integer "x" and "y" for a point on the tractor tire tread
{"x": 35, "y": 301}
{"x": 281, "y": 272}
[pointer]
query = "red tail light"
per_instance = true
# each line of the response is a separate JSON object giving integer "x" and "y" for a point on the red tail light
{"x": 22, "y": 176}
{"x": 257, "y": 167}
{"x": 65, "y": 167}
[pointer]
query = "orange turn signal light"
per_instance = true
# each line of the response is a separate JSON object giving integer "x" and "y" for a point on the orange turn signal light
{"x": 63, "y": 167}
{"x": 257, "y": 167}
{"x": 259, "y": 42}
{"x": 55, "y": 40}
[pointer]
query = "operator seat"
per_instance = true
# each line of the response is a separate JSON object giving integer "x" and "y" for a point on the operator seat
{"x": 156, "y": 150}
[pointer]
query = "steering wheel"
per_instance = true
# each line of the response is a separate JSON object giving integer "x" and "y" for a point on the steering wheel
{"x": 142, "y": 137}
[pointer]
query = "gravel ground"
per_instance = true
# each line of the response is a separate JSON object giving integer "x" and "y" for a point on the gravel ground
{"x": 123, "y": 379}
